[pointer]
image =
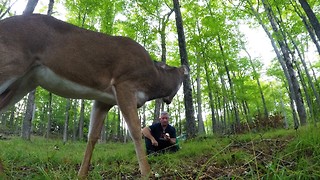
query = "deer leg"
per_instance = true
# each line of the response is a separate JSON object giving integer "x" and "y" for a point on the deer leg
{"x": 12, "y": 93}
{"x": 98, "y": 114}
{"x": 127, "y": 103}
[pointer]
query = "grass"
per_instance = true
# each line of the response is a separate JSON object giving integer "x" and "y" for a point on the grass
{"x": 276, "y": 154}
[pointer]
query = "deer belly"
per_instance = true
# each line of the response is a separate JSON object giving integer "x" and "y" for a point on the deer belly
{"x": 66, "y": 88}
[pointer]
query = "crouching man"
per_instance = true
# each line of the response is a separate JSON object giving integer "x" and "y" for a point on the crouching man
{"x": 160, "y": 137}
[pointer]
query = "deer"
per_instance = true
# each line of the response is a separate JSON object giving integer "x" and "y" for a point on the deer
{"x": 72, "y": 62}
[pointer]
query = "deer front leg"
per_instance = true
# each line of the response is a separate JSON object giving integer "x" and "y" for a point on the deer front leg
{"x": 127, "y": 103}
{"x": 98, "y": 114}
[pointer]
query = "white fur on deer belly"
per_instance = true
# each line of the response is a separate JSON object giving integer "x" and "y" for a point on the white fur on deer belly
{"x": 6, "y": 84}
{"x": 141, "y": 97}
{"x": 66, "y": 88}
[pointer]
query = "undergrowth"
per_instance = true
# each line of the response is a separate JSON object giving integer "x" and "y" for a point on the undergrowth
{"x": 277, "y": 154}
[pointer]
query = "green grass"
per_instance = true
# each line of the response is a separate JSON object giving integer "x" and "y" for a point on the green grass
{"x": 277, "y": 154}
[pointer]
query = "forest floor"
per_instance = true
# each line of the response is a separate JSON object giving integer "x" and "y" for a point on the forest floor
{"x": 276, "y": 154}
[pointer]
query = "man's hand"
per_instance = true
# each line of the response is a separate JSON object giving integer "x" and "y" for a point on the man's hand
{"x": 167, "y": 136}
{"x": 154, "y": 142}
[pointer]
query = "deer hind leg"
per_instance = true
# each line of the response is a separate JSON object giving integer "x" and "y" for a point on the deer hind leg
{"x": 98, "y": 114}
{"x": 12, "y": 90}
{"x": 14, "y": 93}
{"x": 127, "y": 103}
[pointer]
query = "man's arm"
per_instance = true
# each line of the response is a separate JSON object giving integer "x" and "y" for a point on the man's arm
{"x": 147, "y": 133}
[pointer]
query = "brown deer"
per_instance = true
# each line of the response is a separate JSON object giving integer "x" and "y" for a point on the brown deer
{"x": 39, "y": 50}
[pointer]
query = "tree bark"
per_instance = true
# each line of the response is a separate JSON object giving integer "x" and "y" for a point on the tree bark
{"x": 306, "y": 24}
{"x": 201, "y": 129}
{"x": 312, "y": 17}
{"x": 162, "y": 31}
{"x": 189, "y": 109}
{"x": 75, "y": 124}
{"x": 281, "y": 61}
{"x": 49, "y": 116}
{"x": 233, "y": 95}
{"x": 31, "y": 5}
{"x": 27, "y": 121}
{"x": 66, "y": 122}
{"x": 81, "y": 120}
{"x": 211, "y": 102}
{"x": 26, "y": 124}
{"x": 50, "y": 8}
{"x": 266, "y": 114}
{"x": 292, "y": 80}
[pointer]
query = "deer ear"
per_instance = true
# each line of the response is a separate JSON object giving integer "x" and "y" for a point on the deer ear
{"x": 162, "y": 65}
{"x": 185, "y": 69}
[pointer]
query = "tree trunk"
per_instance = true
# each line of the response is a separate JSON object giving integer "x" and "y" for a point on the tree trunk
{"x": 315, "y": 92}
{"x": 266, "y": 114}
{"x": 49, "y": 116}
{"x": 312, "y": 17}
{"x": 26, "y": 124}
{"x": 304, "y": 85}
{"x": 281, "y": 61}
{"x": 103, "y": 133}
{"x": 189, "y": 109}
{"x": 211, "y": 102}
{"x": 292, "y": 80}
{"x": 81, "y": 120}
{"x": 66, "y": 122}
{"x": 31, "y": 5}
{"x": 233, "y": 95}
{"x": 50, "y": 8}
{"x": 75, "y": 120}
{"x": 306, "y": 24}
{"x": 27, "y": 121}
{"x": 201, "y": 129}
{"x": 11, "y": 119}
{"x": 162, "y": 32}
{"x": 157, "y": 108}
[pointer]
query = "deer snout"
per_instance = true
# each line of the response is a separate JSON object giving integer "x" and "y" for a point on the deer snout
{"x": 167, "y": 100}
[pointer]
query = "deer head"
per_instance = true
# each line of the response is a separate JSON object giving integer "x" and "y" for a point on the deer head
{"x": 38, "y": 50}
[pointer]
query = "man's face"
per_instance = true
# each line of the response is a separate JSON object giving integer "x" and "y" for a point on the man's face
{"x": 164, "y": 120}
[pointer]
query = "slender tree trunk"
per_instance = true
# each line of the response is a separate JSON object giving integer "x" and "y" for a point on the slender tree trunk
{"x": 157, "y": 108}
{"x": 26, "y": 124}
{"x": 66, "y": 122}
{"x": 292, "y": 77}
{"x": 49, "y": 116}
{"x": 305, "y": 90}
{"x": 312, "y": 17}
{"x": 75, "y": 120}
{"x": 224, "y": 104}
{"x": 104, "y": 129}
{"x": 309, "y": 78}
{"x": 234, "y": 101}
{"x": 211, "y": 102}
{"x": 266, "y": 114}
{"x": 50, "y": 8}
{"x": 144, "y": 118}
{"x": 3, "y": 12}
{"x": 281, "y": 61}
{"x": 31, "y": 5}
{"x": 189, "y": 109}
{"x": 306, "y": 24}
{"x": 81, "y": 119}
{"x": 201, "y": 129}
{"x": 316, "y": 94}
{"x": 11, "y": 119}
{"x": 27, "y": 121}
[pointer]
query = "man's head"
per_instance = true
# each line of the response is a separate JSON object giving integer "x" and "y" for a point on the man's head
{"x": 164, "y": 118}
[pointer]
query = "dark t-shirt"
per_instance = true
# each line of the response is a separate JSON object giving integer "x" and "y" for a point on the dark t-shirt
{"x": 158, "y": 133}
